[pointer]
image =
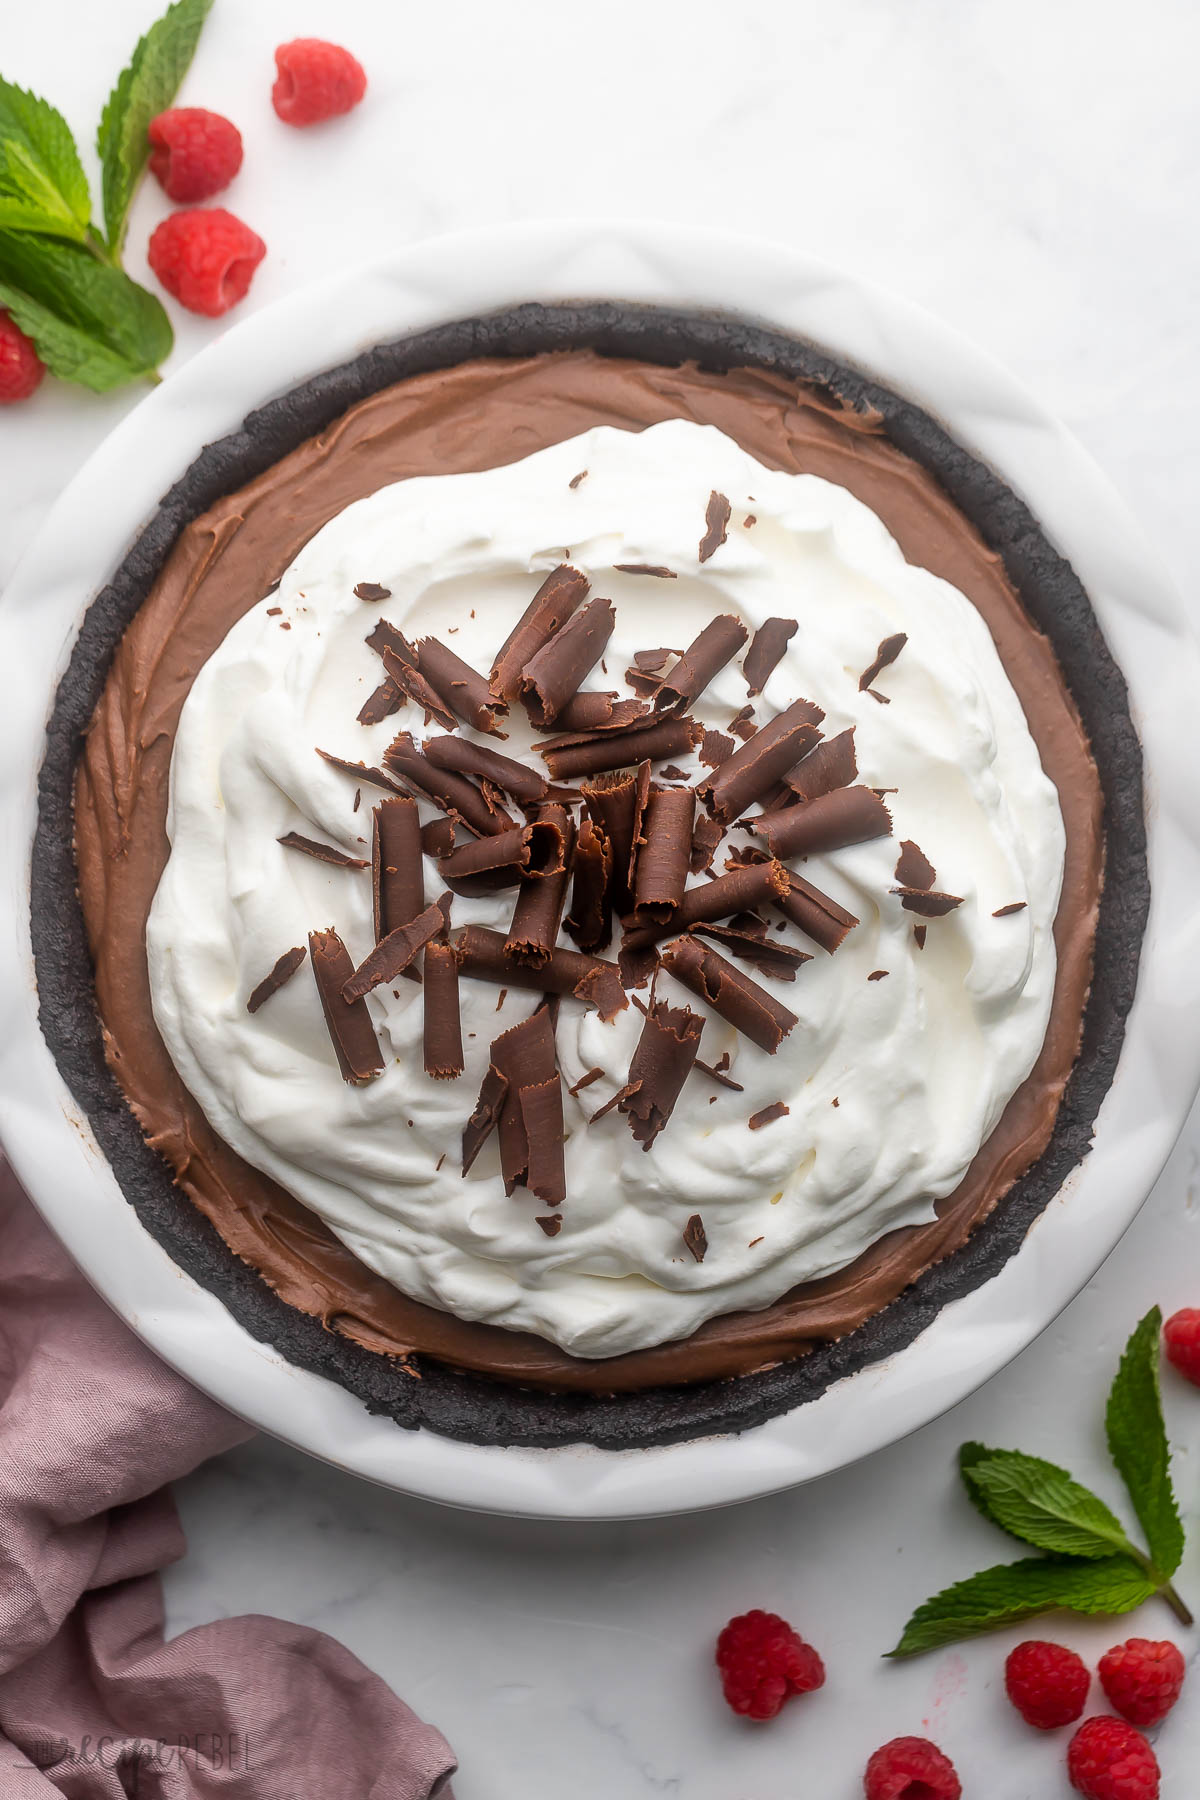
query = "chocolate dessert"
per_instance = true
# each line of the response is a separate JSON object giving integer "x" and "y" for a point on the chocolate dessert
{"x": 552, "y": 1034}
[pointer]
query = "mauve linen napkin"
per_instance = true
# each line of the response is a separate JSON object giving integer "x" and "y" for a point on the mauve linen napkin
{"x": 93, "y": 1703}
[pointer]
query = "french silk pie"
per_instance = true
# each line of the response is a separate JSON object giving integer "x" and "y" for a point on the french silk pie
{"x": 591, "y": 859}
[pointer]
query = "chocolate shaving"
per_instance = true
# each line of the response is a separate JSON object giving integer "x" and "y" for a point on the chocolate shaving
{"x": 458, "y": 686}
{"x": 831, "y": 765}
{"x": 529, "y": 1113}
{"x": 672, "y": 772}
{"x": 766, "y": 650}
{"x": 706, "y": 835}
{"x": 451, "y": 791}
{"x": 717, "y": 644}
{"x": 716, "y": 747}
{"x": 524, "y": 784}
{"x": 337, "y": 859}
{"x": 877, "y": 975}
{"x": 646, "y": 672}
{"x": 383, "y": 635}
{"x": 274, "y": 612}
{"x": 742, "y": 724}
{"x": 716, "y": 1072}
{"x": 585, "y": 1081}
{"x": 739, "y": 1000}
{"x": 695, "y": 1237}
{"x": 482, "y": 954}
{"x": 442, "y": 1028}
{"x": 576, "y": 479}
{"x": 913, "y": 867}
{"x": 753, "y": 769}
{"x": 589, "y": 713}
{"x": 360, "y": 771}
{"x": 590, "y": 918}
{"x": 547, "y": 612}
{"x": 926, "y": 902}
{"x": 393, "y": 954}
{"x": 381, "y": 703}
{"x": 768, "y": 1115}
{"x": 716, "y": 523}
{"x": 412, "y": 683}
{"x": 488, "y": 863}
{"x": 282, "y": 972}
{"x": 371, "y": 590}
{"x": 641, "y": 795}
{"x": 675, "y": 736}
{"x": 659, "y": 569}
{"x": 664, "y": 855}
{"x": 349, "y": 1022}
{"x": 831, "y": 822}
{"x": 665, "y": 1053}
{"x": 779, "y": 960}
{"x": 556, "y": 672}
{"x": 1014, "y": 906}
{"x": 437, "y": 837}
{"x": 484, "y": 1117}
{"x": 887, "y": 653}
{"x": 538, "y": 912}
{"x": 551, "y": 1223}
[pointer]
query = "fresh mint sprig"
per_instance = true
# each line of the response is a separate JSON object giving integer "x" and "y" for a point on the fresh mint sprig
{"x": 1091, "y": 1565}
{"x": 60, "y": 275}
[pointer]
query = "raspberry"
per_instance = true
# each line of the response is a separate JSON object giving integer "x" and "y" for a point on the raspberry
{"x": 762, "y": 1662}
{"x": 1109, "y": 1760}
{"x": 1047, "y": 1684}
{"x": 1181, "y": 1335}
{"x": 195, "y": 153}
{"x": 316, "y": 81}
{"x": 205, "y": 257}
{"x": 911, "y": 1768}
{"x": 1142, "y": 1679}
{"x": 21, "y": 368}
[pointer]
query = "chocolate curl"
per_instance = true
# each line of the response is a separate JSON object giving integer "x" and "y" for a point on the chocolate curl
{"x": 349, "y": 1022}
{"x": 831, "y": 822}
{"x": 538, "y": 912}
{"x": 392, "y": 956}
{"x": 675, "y": 736}
{"x": 641, "y": 794}
{"x": 397, "y": 870}
{"x": 716, "y": 747}
{"x": 887, "y": 653}
{"x": 381, "y": 703}
{"x": 281, "y": 972}
{"x": 530, "y": 1113}
{"x": 926, "y": 902}
{"x": 756, "y": 948}
{"x": 612, "y": 801}
{"x": 716, "y": 645}
{"x": 659, "y": 569}
{"x": 662, "y": 1062}
{"x": 589, "y": 713}
{"x": 742, "y": 1002}
{"x": 662, "y": 862}
{"x": 831, "y": 765}
{"x": 590, "y": 918}
{"x": 766, "y": 650}
{"x": 452, "y": 792}
{"x": 413, "y": 683}
{"x": 706, "y": 835}
{"x": 555, "y": 674}
{"x": 753, "y": 769}
{"x": 489, "y": 863}
{"x": 818, "y": 917}
{"x": 459, "y": 686}
{"x": 913, "y": 867}
{"x": 716, "y": 520}
{"x": 542, "y": 1118}
{"x": 547, "y": 612}
{"x": 749, "y": 885}
{"x": 442, "y": 1028}
{"x": 524, "y": 784}
{"x": 482, "y": 953}
{"x": 326, "y": 853}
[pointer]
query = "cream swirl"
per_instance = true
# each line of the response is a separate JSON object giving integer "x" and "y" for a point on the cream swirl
{"x": 920, "y": 1062}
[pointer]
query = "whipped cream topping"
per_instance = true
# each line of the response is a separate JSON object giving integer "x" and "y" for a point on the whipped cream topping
{"x": 920, "y": 1062}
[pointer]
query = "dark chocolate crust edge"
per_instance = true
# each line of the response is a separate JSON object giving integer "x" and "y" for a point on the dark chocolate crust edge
{"x": 464, "y": 1406}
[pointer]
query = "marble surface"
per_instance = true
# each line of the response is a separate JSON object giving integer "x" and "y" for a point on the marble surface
{"x": 1032, "y": 175}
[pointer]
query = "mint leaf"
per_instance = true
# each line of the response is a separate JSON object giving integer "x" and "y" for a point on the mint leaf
{"x": 1040, "y": 1503}
{"x": 1137, "y": 1442}
{"x": 89, "y": 322}
{"x": 1011, "y": 1592}
{"x": 146, "y": 88}
{"x": 42, "y": 183}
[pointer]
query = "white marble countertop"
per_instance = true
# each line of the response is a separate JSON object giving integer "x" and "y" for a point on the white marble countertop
{"x": 1032, "y": 174}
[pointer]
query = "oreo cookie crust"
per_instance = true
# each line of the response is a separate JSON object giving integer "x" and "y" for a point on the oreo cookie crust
{"x": 471, "y": 1407}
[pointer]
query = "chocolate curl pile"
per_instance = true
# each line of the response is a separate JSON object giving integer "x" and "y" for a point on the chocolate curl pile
{"x": 397, "y": 869}
{"x": 567, "y": 757}
{"x": 522, "y": 1096}
{"x": 483, "y": 954}
{"x": 662, "y": 1062}
{"x": 739, "y": 1000}
{"x": 590, "y": 918}
{"x": 716, "y": 645}
{"x": 460, "y": 688}
{"x": 664, "y": 849}
{"x": 521, "y": 783}
{"x": 539, "y": 909}
{"x": 456, "y": 795}
{"x": 766, "y": 650}
{"x": 490, "y": 863}
{"x": 551, "y": 607}
{"x": 556, "y": 672}
{"x": 759, "y": 764}
{"x": 830, "y": 822}
{"x": 348, "y": 1021}
{"x": 442, "y": 1043}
